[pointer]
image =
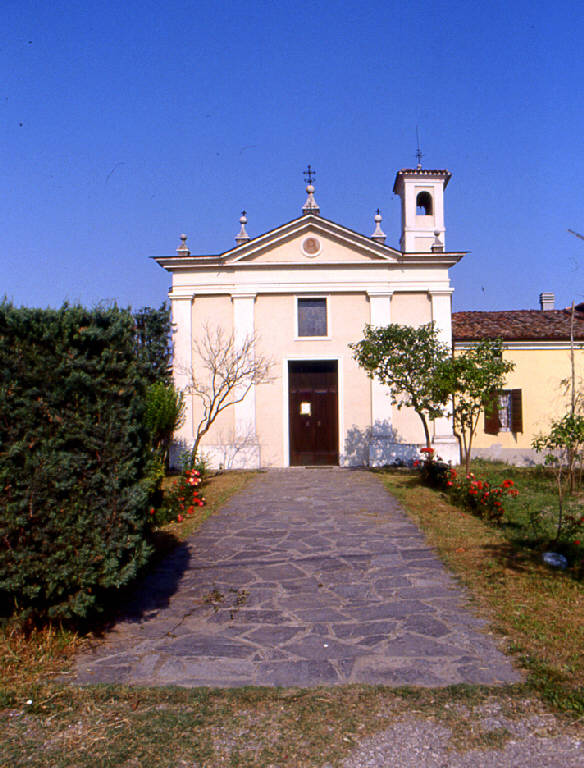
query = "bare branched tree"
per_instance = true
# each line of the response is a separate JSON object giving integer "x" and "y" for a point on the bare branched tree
{"x": 224, "y": 371}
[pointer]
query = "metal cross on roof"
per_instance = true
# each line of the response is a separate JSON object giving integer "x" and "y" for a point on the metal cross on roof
{"x": 419, "y": 154}
{"x": 309, "y": 174}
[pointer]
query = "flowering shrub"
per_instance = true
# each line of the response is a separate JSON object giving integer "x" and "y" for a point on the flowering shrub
{"x": 479, "y": 496}
{"x": 434, "y": 472}
{"x": 573, "y": 528}
{"x": 182, "y": 500}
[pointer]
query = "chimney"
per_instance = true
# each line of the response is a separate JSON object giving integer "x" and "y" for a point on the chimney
{"x": 546, "y": 301}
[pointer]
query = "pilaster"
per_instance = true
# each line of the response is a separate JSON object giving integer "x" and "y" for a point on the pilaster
{"x": 245, "y": 411}
{"x": 382, "y": 433}
{"x": 445, "y": 442}
{"x": 182, "y": 342}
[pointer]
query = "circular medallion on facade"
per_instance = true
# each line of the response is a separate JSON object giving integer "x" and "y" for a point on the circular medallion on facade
{"x": 311, "y": 246}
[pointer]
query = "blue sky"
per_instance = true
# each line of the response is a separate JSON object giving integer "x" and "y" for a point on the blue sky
{"x": 124, "y": 124}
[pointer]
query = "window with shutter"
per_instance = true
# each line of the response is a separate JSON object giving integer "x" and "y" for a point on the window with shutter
{"x": 516, "y": 411}
{"x": 504, "y": 412}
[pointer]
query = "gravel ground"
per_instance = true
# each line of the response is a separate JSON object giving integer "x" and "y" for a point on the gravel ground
{"x": 420, "y": 743}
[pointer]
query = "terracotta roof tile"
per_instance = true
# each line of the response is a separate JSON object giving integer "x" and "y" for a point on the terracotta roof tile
{"x": 516, "y": 325}
{"x": 422, "y": 172}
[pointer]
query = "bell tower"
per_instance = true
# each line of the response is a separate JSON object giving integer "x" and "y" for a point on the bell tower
{"x": 422, "y": 205}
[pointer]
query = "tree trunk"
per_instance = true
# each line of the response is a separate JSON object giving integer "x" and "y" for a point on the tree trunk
{"x": 426, "y": 430}
{"x": 560, "y": 505}
{"x": 571, "y": 451}
{"x": 467, "y": 456}
{"x": 195, "y": 448}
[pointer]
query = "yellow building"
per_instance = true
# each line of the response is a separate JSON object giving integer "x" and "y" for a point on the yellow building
{"x": 535, "y": 392}
{"x": 305, "y": 290}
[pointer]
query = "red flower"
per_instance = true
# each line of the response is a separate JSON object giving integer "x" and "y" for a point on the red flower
{"x": 507, "y": 483}
{"x": 577, "y": 542}
{"x": 190, "y": 510}
{"x": 449, "y": 483}
{"x": 151, "y": 510}
{"x": 179, "y": 518}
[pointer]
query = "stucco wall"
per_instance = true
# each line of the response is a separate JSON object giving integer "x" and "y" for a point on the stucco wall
{"x": 275, "y": 318}
{"x": 409, "y": 309}
{"x": 290, "y": 251}
{"x": 538, "y": 374}
{"x": 276, "y": 328}
{"x": 212, "y": 312}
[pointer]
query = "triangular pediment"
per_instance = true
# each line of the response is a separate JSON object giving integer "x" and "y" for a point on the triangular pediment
{"x": 311, "y": 240}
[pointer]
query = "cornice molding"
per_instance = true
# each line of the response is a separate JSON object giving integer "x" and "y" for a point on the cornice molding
{"x": 524, "y": 345}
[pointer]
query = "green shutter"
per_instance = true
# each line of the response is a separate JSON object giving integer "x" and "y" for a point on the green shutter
{"x": 516, "y": 411}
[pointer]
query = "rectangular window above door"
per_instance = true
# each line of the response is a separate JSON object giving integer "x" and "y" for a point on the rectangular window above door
{"x": 312, "y": 317}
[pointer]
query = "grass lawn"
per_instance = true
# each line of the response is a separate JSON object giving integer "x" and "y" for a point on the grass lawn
{"x": 531, "y": 518}
{"x": 217, "y": 490}
{"x": 540, "y": 612}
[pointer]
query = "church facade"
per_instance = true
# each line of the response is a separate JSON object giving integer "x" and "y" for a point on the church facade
{"x": 303, "y": 292}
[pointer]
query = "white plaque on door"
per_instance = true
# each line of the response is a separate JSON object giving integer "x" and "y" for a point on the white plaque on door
{"x": 306, "y": 409}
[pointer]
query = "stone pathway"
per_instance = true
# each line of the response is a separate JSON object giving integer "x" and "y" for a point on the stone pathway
{"x": 308, "y": 577}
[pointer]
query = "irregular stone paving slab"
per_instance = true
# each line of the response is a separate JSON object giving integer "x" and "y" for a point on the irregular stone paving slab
{"x": 308, "y": 577}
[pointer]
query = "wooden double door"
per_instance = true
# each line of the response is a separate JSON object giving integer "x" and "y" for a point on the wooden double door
{"x": 313, "y": 412}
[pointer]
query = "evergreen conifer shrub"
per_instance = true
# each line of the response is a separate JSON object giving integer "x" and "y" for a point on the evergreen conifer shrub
{"x": 73, "y": 509}
{"x": 153, "y": 346}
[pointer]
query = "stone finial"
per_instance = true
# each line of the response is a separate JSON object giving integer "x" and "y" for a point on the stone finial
{"x": 183, "y": 249}
{"x": 378, "y": 235}
{"x": 310, "y": 206}
{"x": 437, "y": 245}
{"x": 242, "y": 237}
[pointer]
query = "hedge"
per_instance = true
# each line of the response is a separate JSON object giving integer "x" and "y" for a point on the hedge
{"x": 73, "y": 514}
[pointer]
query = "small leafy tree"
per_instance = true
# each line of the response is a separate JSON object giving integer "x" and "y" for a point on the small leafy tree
{"x": 473, "y": 377}
{"x": 224, "y": 372}
{"x": 409, "y": 361}
{"x": 164, "y": 412}
{"x": 562, "y": 447}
